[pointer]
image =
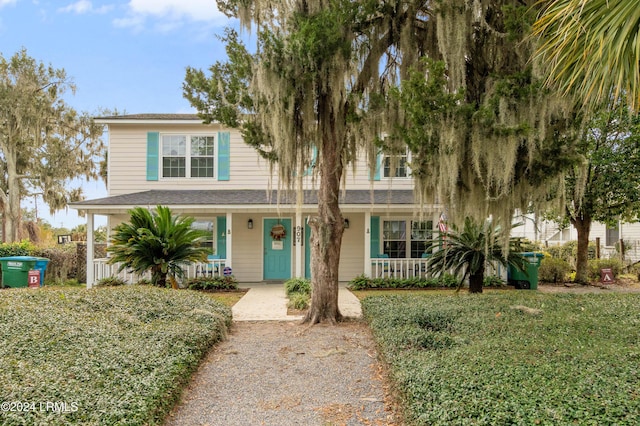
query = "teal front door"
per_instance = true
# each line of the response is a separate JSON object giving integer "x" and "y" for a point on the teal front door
{"x": 277, "y": 252}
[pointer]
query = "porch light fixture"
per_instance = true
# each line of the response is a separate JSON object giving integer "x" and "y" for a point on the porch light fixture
{"x": 250, "y": 224}
{"x": 346, "y": 224}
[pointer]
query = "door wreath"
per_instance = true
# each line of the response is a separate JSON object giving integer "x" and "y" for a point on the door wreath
{"x": 278, "y": 232}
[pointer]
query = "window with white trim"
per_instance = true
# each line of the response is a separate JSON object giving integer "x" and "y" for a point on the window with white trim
{"x": 395, "y": 239}
{"x": 612, "y": 235}
{"x": 210, "y": 241}
{"x": 188, "y": 156}
{"x": 396, "y": 166}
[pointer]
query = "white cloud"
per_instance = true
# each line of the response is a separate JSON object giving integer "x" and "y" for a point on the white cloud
{"x": 84, "y": 6}
{"x": 7, "y": 2}
{"x": 196, "y": 10}
{"x": 169, "y": 14}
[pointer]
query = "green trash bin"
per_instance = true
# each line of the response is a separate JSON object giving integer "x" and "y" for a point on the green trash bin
{"x": 527, "y": 280}
{"x": 15, "y": 270}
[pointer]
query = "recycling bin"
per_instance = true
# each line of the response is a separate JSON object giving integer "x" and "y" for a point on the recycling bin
{"x": 528, "y": 279}
{"x": 15, "y": 270}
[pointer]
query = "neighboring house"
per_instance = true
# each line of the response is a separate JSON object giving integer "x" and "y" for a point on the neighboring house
{"x": 549, "y": 234}
{"x": 208, "y": 172}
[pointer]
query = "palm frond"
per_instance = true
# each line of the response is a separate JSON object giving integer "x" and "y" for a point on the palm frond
{"x": 592, "y": 48}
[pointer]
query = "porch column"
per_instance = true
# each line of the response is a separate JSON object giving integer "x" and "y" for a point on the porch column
{"x": 229, "y": 239}
{"x": 298, "y": 243}
{"x": 90, "y": 250}
{"x": 367, "y": 243}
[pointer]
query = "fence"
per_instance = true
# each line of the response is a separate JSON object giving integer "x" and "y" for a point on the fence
{"x": 212, "y": 268}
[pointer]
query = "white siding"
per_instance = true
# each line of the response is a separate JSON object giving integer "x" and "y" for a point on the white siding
{"x": 127, "y": 164}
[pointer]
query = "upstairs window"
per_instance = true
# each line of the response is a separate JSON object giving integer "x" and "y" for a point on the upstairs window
{"x": 187, "y": 156}
{"x": 395, "y": 166}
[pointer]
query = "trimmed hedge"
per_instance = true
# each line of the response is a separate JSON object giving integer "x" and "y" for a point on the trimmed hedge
{"x": 117, "y": 355}
{"x": 512, "y": 358}
{"x": 213, "y": 283}
{"x": 362, "y": 282}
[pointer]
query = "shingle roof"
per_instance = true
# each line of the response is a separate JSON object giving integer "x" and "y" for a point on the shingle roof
{"x": 245, "y": 197}
{"x": 151, "y": 117}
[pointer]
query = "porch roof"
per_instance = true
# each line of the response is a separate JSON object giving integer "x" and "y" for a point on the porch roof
{"x": 241, "y": 199}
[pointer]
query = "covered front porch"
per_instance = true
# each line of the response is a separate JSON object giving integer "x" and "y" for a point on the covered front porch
{"x": 258, "y": 240}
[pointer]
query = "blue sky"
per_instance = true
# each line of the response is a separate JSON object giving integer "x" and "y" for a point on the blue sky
{"x": 128, "y": 55}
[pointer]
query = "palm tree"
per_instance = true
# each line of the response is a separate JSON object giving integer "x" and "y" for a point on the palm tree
{"x": 593, "y": 48}
{"x": 156, "y": 241}
{"x": 467, "y": 252}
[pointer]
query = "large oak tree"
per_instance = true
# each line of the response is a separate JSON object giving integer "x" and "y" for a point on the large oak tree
{"x": 44, "y": 143}
{"x": 486, "y": 140}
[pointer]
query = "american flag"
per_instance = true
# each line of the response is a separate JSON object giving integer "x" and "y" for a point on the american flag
{"x": 442, "y": 224}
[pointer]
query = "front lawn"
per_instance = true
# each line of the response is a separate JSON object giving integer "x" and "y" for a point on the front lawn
{"x": 512, "y": 358}
{"x": 101, "y": 356}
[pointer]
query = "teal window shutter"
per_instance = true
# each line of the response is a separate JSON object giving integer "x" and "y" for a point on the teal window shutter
{"x": 224, "y": 142}
{"x": 221, "y": 237}
{"x": 314, "y": 158}
{"x": 375, "y": 236}
{"x": 375, "y": 175}
{"x": 153, "y": 149}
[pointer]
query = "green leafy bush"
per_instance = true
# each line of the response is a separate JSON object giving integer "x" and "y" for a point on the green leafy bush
{"x": 110, "y": 282}
{"x": 298, "y": 301}
{"x": 553, "y": 270}
{"x": 213, "y": 283}
{"x": 297, "y": 285}
{"x": 569, "y": 251}
{"x": 22, "y": 248}
{"x": 578, "y": 367}
{"x": 493, "y": 281}
{"x": 121, "y": 354}
{"x": 594, "y": 266}
{"x": 298, "y": 290}
{"x": 362, "y": 282}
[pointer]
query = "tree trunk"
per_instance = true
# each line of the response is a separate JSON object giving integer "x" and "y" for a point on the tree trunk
{"x": 476, "y": 280}
{"x": 475, "y": 283}
{"x": 328, "y": 227}
{"x": 583, "y": 226}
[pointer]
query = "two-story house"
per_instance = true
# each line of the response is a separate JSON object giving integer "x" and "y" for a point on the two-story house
{"x": 208, "y": 172}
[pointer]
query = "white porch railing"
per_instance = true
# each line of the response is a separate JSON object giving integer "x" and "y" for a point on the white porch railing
{"x": 399, "y": 268}
{"x": 212, "y": 268}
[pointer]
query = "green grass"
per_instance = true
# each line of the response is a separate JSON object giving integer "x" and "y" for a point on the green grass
{"x": 512, "y": 358}
{"x": 117, "y": 355}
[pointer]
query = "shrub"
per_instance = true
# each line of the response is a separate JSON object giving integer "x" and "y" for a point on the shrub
{"x": 213, "y": 283}
{"x": 110, "y": 282}
{"x": 62, "y": 264}
{"x": 493, "y": 281}
{"x": 23, "y": 248}
{"x": 297, "y": 285}
{"x": 594, "y": 266}
{"x": 298, "y": 301}
{"x": 553, "y": 270}
{"x": 362, "y": 282}
{"x": 569, "y": 251}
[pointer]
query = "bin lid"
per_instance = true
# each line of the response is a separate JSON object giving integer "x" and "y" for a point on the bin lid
{"x": 531, "y": 254}
{"x": 21, "y": 258}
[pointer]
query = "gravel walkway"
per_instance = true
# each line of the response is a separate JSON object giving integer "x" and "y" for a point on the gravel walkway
{"x": 283, "y": 373}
